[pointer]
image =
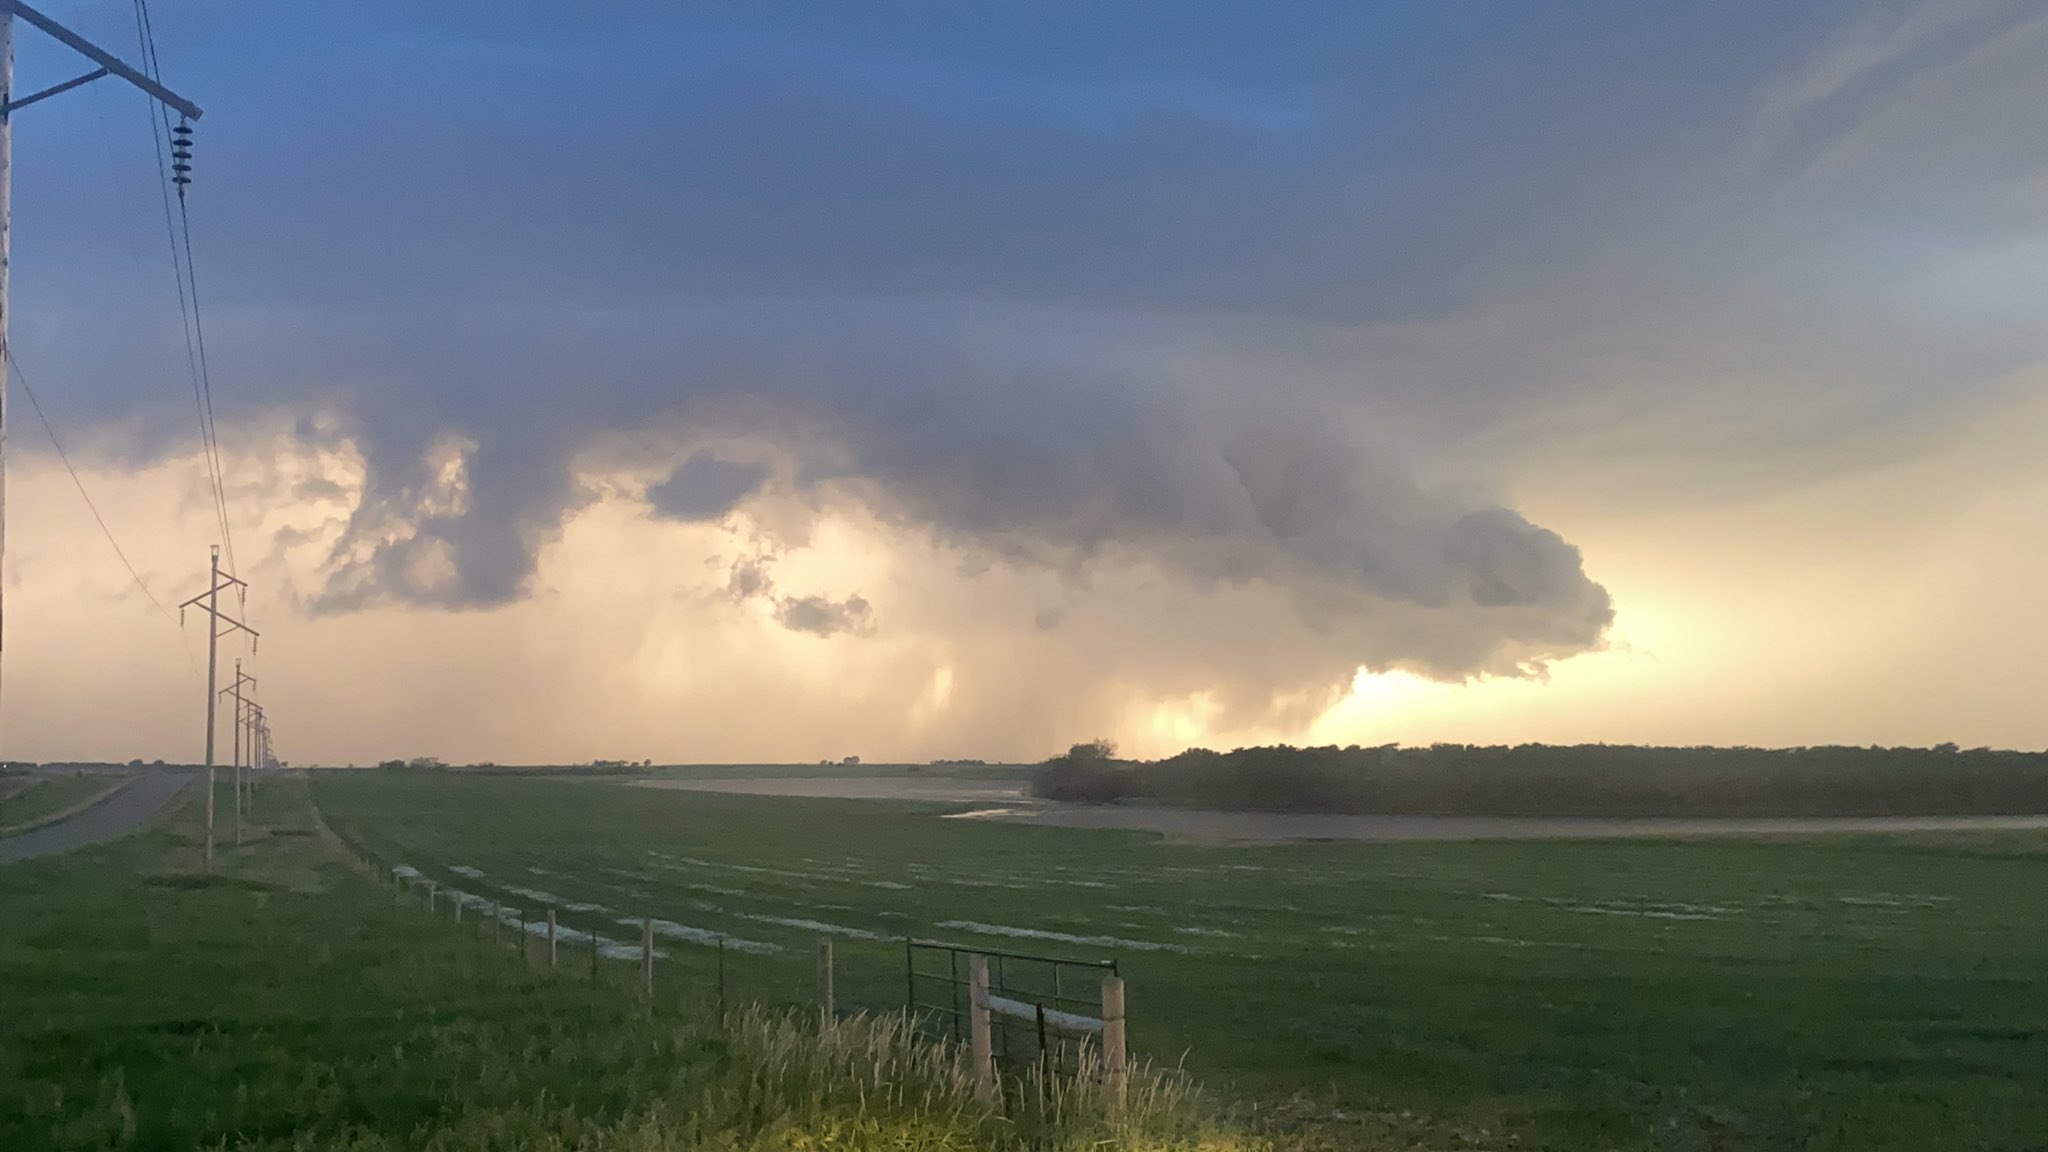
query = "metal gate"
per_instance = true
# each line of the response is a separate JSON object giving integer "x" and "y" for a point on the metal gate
{"x": 1043, "y": 1010}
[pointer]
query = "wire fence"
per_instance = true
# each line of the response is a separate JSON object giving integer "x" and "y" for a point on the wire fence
{"x": 1021, "y": 1017}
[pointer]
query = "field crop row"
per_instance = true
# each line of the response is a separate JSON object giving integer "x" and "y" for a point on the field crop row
{"x": 1858, "y": 992}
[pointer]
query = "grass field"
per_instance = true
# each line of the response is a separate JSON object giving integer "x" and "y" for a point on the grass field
{"x": 1855, "y": 993}
{"x": 286, "y": 1002}
{"x": 48, "y": 795}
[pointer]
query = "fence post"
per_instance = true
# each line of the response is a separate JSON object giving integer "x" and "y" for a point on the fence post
{"x": 551, "y": 939}
{"x": 1116, "y": 1060}
{"x": 497, "y": 921}
{"x": 458, "y": 909}
{"x": 721, "y": 979}
{"x": 593, "y": 956}
{"x": 825, "y": 1006}
{"x": 431, "y": 886}
{"x": 981, "y": 1048}
{"x": 647, "y": 957}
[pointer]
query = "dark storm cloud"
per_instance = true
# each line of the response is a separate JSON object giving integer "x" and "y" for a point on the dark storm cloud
{"x": 705, "y": 487}
{"x": 1169, "y": 293}
{"x": 823, "y": 616}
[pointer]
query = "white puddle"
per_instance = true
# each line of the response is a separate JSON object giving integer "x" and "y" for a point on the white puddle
{"x": 706, "y": 937}
{"x": 1643, "y": 913}
{"x": 980, "y": 814}
{"x": 889, "y": 884}
{"x": 466, "y": 870}
{"x": 535, "y": 894}
{"x": 1893, "y": 900}
{"x": 1061, "y": 937}
{"x": 814, "y": 926}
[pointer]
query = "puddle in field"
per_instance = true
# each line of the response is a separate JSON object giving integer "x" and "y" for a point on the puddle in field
{"x": 1645, "y": 909}
{"x": 981, "y": 814}
{"x": 466, "y": 870}
{"x": 535, "y": 894}
{"x": 584, "y": 906}
{"x": 1060, "y": 937}
{"x": 705, "y": 937}
{"x": 1643, "y": 913}
{"x": 1894, "y": 901}
{"x": 818, "y": 926}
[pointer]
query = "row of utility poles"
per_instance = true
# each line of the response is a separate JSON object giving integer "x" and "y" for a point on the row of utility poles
{"x": 252, "y": 727}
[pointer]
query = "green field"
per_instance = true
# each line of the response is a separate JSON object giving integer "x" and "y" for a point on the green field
{"x": 284, "y": 1001}
{"x": 1854, "y": 993}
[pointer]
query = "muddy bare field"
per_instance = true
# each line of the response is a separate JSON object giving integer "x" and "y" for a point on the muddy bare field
{"x": 1007, "y": 801}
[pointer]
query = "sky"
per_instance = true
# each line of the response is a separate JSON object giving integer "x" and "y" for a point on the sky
{"x": 760, "y": 382}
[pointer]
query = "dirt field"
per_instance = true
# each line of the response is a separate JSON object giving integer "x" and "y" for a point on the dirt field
{"x": 1007, "y": 802}
{"x": 936, "y": 789}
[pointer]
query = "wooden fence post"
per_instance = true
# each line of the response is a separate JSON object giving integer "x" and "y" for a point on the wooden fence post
{"x": 981, "y": 1046}
{"x": 497, "y": 921}
{"x": 431, "y": 886}
{"x": 458, "y": 909}
{"x": 1116, "y": 1059}
{"x": 647, "y": 957}
{"x": 593, "y": 957}
{"x": 551, "y": 939}
{"x": 825, "y": 1007}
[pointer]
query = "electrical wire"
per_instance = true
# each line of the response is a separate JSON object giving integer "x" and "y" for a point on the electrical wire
{"x": 50, "y": 430}
{"x": 188, "y": 289}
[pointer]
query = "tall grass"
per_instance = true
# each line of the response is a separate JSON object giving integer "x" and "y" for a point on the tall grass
{"x": 776, "y": 1081}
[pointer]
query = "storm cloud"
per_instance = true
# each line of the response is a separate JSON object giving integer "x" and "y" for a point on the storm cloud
{"x": 1286, "y": 325}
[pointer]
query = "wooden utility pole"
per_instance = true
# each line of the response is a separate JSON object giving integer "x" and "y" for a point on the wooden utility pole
{"x": 209, "y": 603}
{"x": 242, "y": 706}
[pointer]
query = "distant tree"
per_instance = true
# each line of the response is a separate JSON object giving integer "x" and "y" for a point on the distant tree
{"x": 851, "y": 761}
{"x": 427, "y": 763}
{"x": 135, "y": 763}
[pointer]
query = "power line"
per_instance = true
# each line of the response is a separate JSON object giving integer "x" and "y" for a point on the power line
{"x": 188, "y": 302}
{"x": 65, "y": 457}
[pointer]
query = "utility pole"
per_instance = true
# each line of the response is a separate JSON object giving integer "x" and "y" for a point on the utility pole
{"x": 259, "y": 744}
{"x": 241, "y": 723}
{"x": 109, "y": 65}
{"x": 209, "y": 602}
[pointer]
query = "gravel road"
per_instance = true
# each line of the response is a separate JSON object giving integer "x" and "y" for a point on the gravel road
{"x": 117, "y": 815}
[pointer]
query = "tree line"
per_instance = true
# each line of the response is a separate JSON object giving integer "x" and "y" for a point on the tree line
{"x": 1606, "y": 780}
